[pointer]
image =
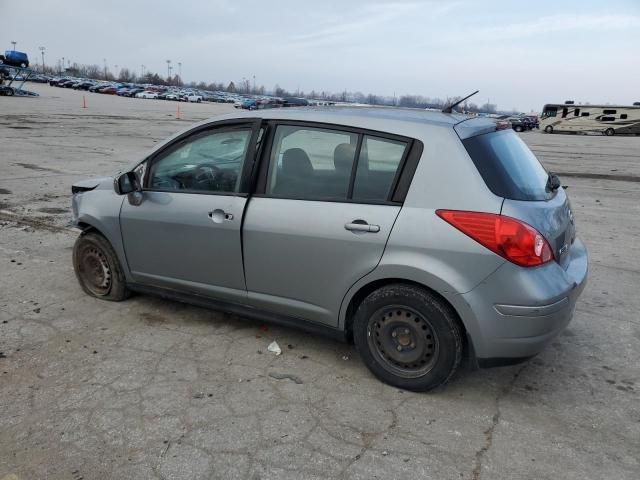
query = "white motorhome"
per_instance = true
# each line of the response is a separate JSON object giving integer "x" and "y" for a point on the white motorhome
{"x": 607, "y": 119}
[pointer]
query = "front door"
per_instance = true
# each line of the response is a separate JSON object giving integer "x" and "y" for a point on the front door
{"x": 321, "y": 218}
{"x": 183, "y": 230}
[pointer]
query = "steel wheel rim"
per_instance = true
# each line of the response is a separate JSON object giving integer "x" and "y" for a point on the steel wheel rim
{"x": 403, "y": 341}
{"x": 95, "y": 271}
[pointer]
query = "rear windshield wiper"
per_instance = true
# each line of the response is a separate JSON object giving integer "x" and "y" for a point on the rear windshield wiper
{"x": 553, "y": 182}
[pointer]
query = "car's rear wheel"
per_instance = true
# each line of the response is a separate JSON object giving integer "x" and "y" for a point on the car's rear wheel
{"x": 518, "y": 128}
{"x": 609, "y": 132}
{"x": 97, "y": 268}
{"x": 548, "y": 129}
{"x": 408, "y": 337}
{"x": 9, "y": 92}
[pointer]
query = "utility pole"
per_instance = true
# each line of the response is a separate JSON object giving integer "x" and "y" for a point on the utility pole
{"x": 42, "y": 49}
{"x": 254, "y": 84}
{"x": 14, "y": 45}
{"x": 168, "y": 70}
{"x": 141, "y": 71}
{"x": 115, "y": 71}
{"x": 105, "y": 68}
{"x": 180, "y": 72}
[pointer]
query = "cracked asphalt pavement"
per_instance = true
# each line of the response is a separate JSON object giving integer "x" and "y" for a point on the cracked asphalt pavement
{"x": 152, "y": 389}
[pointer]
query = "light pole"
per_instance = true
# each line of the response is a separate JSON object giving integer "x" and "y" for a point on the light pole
{"x": 141, "y": 71}
{"x": 104, "y": 60}
{"x": 115, "y": 71}
{"x": 14, "y": 45}
{"x": 168, "y": 71}
{"x": 254, "y": 84}
{"x": 42, "y": 49}
{"x": 180, "y": 72}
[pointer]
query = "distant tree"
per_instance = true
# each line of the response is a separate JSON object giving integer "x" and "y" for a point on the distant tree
{"x": 125, "y": 75}
{"x": 488, "y": 108}
{"x": 231, "y": 88}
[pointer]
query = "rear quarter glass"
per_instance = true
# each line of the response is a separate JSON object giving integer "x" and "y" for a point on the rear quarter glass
{"x": 507, "y": 166}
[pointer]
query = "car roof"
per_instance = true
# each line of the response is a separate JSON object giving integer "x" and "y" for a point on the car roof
{"x": 401, "y": 121}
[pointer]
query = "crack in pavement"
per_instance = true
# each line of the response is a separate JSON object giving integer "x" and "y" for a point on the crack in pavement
{"x": 476, "y": 474}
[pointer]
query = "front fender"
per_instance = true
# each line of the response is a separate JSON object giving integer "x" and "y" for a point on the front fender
{"x": 100, "y": 209}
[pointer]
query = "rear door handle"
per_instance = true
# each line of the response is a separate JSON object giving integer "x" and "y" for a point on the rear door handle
{"x": 361, "y": 226}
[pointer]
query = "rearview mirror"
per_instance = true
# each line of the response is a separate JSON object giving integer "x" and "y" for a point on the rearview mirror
{"x": 126, "y": 183}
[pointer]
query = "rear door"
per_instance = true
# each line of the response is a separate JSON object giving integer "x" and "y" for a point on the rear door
{"x": 321, "y": 216}
{"x": 512, "y": 171}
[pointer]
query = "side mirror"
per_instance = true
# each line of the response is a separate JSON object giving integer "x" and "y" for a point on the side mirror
{"x": 126, "y": 183}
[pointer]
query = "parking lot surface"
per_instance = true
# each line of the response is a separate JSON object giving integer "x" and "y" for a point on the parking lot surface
{"x": 151, "y": 389}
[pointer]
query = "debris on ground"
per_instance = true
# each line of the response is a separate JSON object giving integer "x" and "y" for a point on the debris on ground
{"x": 274, "y": 348}
{"x": 286, "y": 376}
{"x": 345, "y": 357}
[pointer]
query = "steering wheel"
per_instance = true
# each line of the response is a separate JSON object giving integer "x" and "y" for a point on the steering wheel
{"x": 206, "y": 173}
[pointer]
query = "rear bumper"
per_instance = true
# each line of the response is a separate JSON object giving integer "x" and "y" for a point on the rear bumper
{"x": 514, "y": 313}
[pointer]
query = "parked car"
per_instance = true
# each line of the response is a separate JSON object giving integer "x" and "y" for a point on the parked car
{"x": 15, "y": 59}
{"x": 419, "y": 255}
{"x": 518, "y": 124}
{"x": 134, "y": 91}
{"x": 147, "y": 94}
{"x": 533, "y": 121}
{"x": 295, "y": 102}
{"x": 191, "y": 97}
{"x": 84, "y": 85}
{"x": 97, "y": 87}
{"x": 109, "y": 90}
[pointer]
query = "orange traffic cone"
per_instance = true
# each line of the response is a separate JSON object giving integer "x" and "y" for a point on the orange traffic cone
{"x": 178, "y": 113}
{"x": 84, "y": 102}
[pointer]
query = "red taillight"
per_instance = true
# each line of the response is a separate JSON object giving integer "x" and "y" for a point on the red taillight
{"x": 510, "y": 238}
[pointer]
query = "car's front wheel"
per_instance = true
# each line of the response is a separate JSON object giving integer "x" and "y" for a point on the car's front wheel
{"x": 408, "y": 337}
{"x": 609, "y": 132}
{"x": 98, "y": 269}
{"x": 548, "y": 129}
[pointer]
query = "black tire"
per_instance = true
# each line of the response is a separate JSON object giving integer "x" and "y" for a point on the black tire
{"x": 548, "y": 129}
{"x": 97, "y": 268}
{"x": 518, "y": 128}
{"x": 609, "y": 132}
{"x": 408, "y": 337}
{"x": 9, "y": 92}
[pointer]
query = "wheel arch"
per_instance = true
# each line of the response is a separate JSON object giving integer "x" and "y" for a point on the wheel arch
{"x": 364, "y": 290}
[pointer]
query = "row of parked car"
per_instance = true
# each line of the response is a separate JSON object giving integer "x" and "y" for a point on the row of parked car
{"x": 248, "y": 102}
{"x": 128, "y": 90}
{"x": 521, "y": 123}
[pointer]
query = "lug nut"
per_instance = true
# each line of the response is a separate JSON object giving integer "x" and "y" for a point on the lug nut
{"x": 406, "y": 331}
{"x": 413, "y": 345}
{"x": 394, "y": 334}
{"x": 399, "y": 348}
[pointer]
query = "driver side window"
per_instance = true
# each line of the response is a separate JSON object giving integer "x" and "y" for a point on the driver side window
{"x": 208, "y": 162}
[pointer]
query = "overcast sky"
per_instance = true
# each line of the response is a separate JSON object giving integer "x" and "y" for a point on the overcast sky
{"x": 518, "y": 54}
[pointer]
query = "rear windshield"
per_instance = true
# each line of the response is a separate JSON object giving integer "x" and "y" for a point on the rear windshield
{"x": 507, "y": 166}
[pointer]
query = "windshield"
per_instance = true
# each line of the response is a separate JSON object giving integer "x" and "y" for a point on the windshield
{"x": 507, "y": 166}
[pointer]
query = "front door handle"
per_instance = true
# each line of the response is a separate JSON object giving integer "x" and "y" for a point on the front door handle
{"x": 218, "y": 215}
{"x": 362, "y": 226}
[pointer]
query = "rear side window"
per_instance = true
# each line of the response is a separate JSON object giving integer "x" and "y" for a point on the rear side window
{"x": 314, "y": 163}
{"x": 507, "y": 166}
{"x": 311, "y": 163}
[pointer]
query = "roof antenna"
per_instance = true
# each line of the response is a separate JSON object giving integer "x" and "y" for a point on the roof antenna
{"x": 449, "y": 108}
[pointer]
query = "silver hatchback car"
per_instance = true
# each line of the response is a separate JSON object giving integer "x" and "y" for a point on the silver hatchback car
{"x": 418, "y": 235}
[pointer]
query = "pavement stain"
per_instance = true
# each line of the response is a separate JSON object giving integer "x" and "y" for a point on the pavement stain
{"x": 152, "y": 318}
